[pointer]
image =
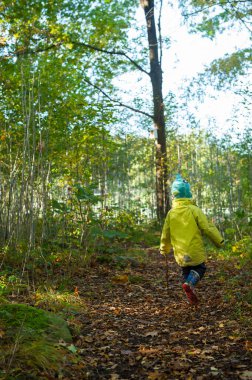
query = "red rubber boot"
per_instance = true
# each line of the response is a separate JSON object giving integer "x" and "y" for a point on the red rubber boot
{"x": 192, "y": 298}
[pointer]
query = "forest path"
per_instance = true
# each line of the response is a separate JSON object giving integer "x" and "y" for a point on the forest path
{"x": 143, "y": 330}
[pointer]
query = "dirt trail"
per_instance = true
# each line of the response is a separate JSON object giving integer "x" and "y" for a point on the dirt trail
{"x": 142, "y": 330}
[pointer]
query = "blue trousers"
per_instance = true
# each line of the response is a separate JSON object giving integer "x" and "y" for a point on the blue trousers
{"x": 187, "y": 272}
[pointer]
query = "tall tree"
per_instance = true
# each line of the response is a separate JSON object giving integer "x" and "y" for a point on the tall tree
{"x": 158, "y": 108}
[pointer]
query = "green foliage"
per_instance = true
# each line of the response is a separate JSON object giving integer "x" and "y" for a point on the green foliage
{"x": 30, "y": 338}
{"x": 59, "y": 302}
{"x": 243, "y": 248}
{"x": 113, "y": 234}
{"x": 33, "y": 322}
{"x": 122, "y": 259}
{"x": 226, "y": 70}
{"x": 80, "y": 223}
{"x": 211, "y": 18}
{"x": 231, "y": 65}
{"x": 59, "y": 207}
{"x": 72, "y": 188}
{"x": 86, "y": 194}
{"x": 136, "y": 279}
{"x": 10, "y": 284}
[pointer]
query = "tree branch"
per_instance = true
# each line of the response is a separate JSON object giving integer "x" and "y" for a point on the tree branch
{"x": 198, "y": 11}
{"x": 238, "y": 17}
{"x": 111, "y": 52}
{"x": 75, "y": 43}
{"x": 117, "y": 102}
{"x": 24, "y": 51}
{"x": 202, "y": 9}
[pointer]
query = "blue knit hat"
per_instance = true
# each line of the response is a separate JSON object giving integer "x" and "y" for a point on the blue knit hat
{"x": 181, "y": 188}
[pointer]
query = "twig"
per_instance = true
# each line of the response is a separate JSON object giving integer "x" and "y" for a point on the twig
{"x": 166, "y": 272}
{"x": 18, "y": 338}
{"x": 111, "y": 52}
{"x": 117, "y": 102}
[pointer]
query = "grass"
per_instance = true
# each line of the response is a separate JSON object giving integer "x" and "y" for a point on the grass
{"x": 29, "y": 339}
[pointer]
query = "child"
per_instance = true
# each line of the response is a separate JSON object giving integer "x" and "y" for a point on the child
{"x": 183, "y": 228}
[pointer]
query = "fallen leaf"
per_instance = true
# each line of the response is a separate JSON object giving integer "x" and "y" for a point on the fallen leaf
{"x": 117, "y": 311}
{"x": 114, "y": 366}
{"x": 232, "y": 337}
{"x": 120, "y": 279}
{"x": 72, "y": 349}
{"x": 126, "y": 352}
{"x": 155, "y": 376}
{"x": 196, "y": 351}
{"x": 215, "y": 347}
{"x": 115, "y": 376}
{"x": 248, "y": 345}
{"x": 201, "y": 328}
{"x": 214, "y": 369}
{"x": 110, "y": 333}
{"x": 151, "y": 333}
{"x": 246, "y": 375}
{"x": 89, "y": 339}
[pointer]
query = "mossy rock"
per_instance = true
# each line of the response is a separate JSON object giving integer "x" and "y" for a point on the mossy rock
{"x": 33, "y": 323}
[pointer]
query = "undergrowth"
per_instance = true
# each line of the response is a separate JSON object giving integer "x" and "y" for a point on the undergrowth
{"x": 30, "y": 340}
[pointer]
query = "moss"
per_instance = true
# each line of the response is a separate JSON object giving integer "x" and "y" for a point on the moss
{"x": 136, "y": 279}
{"x": 30, "y": 340}
{"x": 33, "y": 323}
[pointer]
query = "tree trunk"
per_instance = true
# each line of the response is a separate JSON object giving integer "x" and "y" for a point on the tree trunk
{"x": 158, "y": 105}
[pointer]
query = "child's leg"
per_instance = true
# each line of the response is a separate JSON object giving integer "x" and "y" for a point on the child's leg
{"x": 192, "y": 275}
{"x": 195, "y": 274}
{"x": 185, "y": 272}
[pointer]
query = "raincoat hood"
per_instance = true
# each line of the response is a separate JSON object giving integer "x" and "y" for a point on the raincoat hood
{"x": 177, "y": 202}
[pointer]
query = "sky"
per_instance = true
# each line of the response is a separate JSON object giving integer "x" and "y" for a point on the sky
{"x": 187, "y": 56}
{"x": 190, "y": 54}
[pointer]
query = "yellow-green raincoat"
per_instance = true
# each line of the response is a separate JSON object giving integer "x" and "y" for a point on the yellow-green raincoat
{"x": 183, "y": 228}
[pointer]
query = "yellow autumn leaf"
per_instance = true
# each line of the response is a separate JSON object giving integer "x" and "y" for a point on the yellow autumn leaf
{"x": 120, "y": 279}
{"x": 3, "y": 41}
{"x": 154, "y": 376}
{"x": 248, "y": 345}
{"x": 195, "y": 351}
{"x": 69, "y": 46}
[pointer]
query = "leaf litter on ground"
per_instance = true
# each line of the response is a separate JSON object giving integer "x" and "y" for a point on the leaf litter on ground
{"x": 149, "y": 331}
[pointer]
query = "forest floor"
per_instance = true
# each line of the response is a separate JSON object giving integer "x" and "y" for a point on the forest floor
{"x": 136, "y": 327}
{"x": 133, "y": 325}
